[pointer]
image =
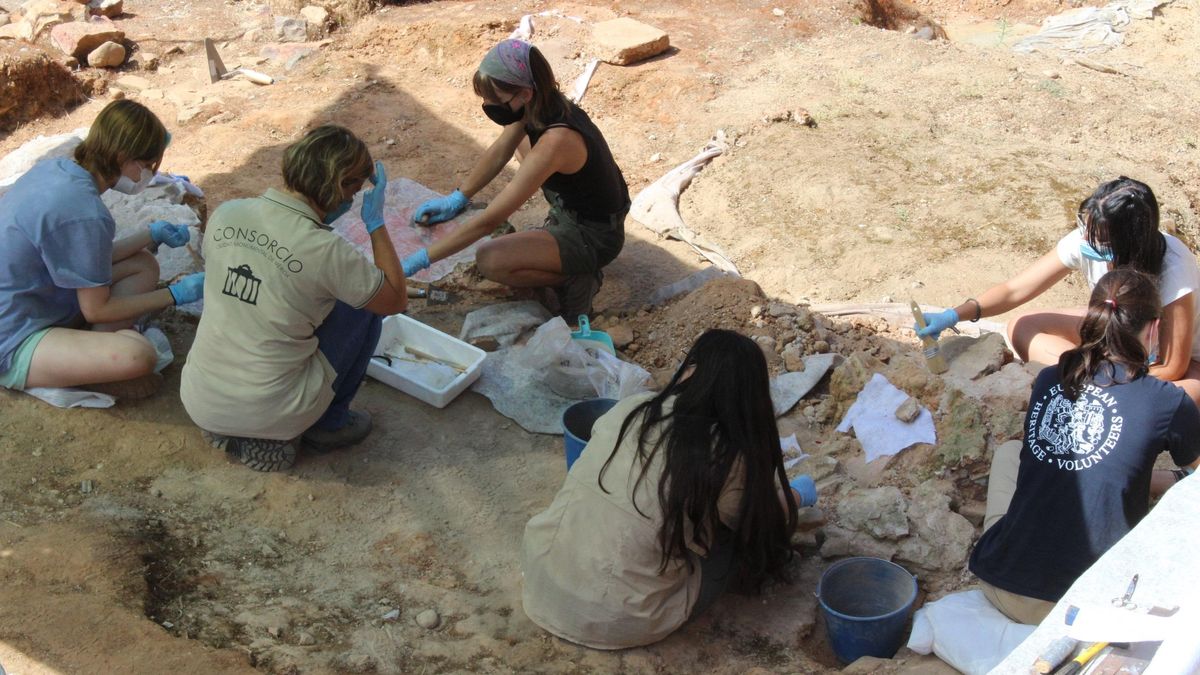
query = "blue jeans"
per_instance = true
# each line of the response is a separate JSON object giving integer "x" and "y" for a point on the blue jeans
{"x": 347, "y": 338}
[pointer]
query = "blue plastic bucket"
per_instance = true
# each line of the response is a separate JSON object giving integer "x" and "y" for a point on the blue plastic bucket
{"x": 866, "y": 603}
{"x": 577, "y": 421}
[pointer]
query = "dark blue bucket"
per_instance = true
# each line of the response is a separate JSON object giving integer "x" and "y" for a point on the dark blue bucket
{"x": 577, "y": 422}
{"x": 866, "y": 603}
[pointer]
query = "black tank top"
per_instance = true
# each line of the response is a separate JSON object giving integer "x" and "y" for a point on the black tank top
{"x": 597, "y": 190}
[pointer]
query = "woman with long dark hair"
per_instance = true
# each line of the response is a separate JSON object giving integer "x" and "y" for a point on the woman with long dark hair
{"x": 1084, "y": 475}
{"x": 675, "y": 494}
{"x": 562, "y": 153}
{"x": 1116, "y": 228}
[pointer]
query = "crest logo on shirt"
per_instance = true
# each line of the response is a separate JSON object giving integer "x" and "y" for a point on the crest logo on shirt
{"x": 241, "y": 283}
{"x": 1073, "y": 435}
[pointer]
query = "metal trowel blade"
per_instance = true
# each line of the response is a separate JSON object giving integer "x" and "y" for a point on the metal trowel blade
{"x": 440, "y": 296}
{"x": 216, "y": 67}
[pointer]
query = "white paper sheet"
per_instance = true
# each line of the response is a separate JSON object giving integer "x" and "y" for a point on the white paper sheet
{"x": 873, "y": 418}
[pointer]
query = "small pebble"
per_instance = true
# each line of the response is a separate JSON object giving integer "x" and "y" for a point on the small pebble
{"x": 274, "y": 631}
{"x": 390, "y": 141}
{"x": 269, "y": 552}
{"x": 168, "y": 625}
{"x": 392, "y": 615}
{"x": 429, "y": 619}
{"x": 779, "y": 11}
{"x": 310, "y": 498}
{"x": 86, "y": 486}
{"x": 656, "y": 157}
{"x": 305, "y": 639}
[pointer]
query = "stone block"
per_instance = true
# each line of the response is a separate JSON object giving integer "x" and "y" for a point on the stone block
{"x": 624, "y": 41}
{"x": 880, "y": 512}
{"x": 972, "y": 358}
{"x": 109, "y": 8}
{"x": 79, "y": 38}
{"x": 132, "y": 83}
{"x": 316, "y": 16}
{"x": 291, "y": 29}
{"x": 107, "y": 55}
{"x": 840, "y": 542}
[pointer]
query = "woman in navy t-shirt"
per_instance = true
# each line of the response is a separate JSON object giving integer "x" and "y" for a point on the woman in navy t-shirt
{"x": 1094, "y": 427}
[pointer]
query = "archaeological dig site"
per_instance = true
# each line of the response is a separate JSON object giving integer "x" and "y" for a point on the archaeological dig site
{"x": 705, "y": 336}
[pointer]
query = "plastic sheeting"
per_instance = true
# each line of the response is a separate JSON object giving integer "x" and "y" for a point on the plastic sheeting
{"x": 1088, "y": 30}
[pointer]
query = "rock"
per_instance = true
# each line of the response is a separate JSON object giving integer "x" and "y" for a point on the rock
{"x": 429, "y": 619}
{"x": 781, "y": 309}
{"x": 624, "y": 41}
{"x": 908, "y": 411}
{"x": 765, "y": 342}
{"x": 756, "y": 311}
{"x": 116, "y": 94}
{"x": 816, "y": 466}
{"x": 487, "y": 343}
{"x": 109, "y": 8}
{"x": 840, "y": 542}
{"x": 391, "y": 615}
{"x": 146, "y": 60}
{"x": 961, "y": 433}
{"x": 621, "y": 335}
{"x": 268, "y": 552}
{"x": 793, "y": 357}
{"x": 880, "y": 512}
{"x": 849, "y": 378}
{"x": 86, "y": 486}
{"x": 810, "y": 518}
{"x": 941, "y": 538}
{"x": 972, "y": 358}
{"x": 779, "y": 11}
{"x": 107, "y": 55}
{"x": 291, "y": 29}
{"x": 974, "y": 511}
{"x": 183, "y": 97}
{"x": 803, "y": 319}
{"x": 868, "y": 665}
{"x": 4, "y": 20}
{"x": 289, "y": 54}
{"x": 274, "y": 631}
{"x": 820, "y": 347}
{"x": 305, "y": 639}
{"x": 316, "y": 16}
{"x": 79, "y": 38}
{"x": 253, "y": 35}
{"x": 132, "y": 83}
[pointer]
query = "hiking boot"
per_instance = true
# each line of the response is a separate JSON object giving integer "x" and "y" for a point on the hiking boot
{"x": 261, "y": 454}
{"x": 139, "y": 387}
{"x": 575, "y": 295}
{"x": 355, "y": 430}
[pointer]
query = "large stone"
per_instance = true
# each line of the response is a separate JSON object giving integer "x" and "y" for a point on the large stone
{"x": 107, "y": 55}
{"x": 840, "y": 542}
{"x": 880, "y": 512}
{"x": 291, "y": 29}
{"x": 849, "y": 378}
{"x": 624, "y": 41}
{"x": 962, "y": 434}
{"x": 79, "y": 38}
{"x": 109, "y": 8}
{"x": 316, "y": 16}
{"x": 621, "y": 335}
{"x": 941, "y": 538}
{"x": 972, "y": 358}
{"x": 132, "y": 83}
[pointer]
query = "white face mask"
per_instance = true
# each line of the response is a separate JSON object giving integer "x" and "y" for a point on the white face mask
{"x": 125, "y": 184}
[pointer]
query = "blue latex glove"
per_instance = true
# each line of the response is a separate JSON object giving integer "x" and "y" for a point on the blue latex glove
{"x": 162, "y": 232}
{"x": 441, "y": 208}
{"x": 807, "y": 488}
{"x": 415, "y": 262}
{"x": 936, "y": 323}
{"x": 372, "y": 205}
{"x": 188, "y": 289}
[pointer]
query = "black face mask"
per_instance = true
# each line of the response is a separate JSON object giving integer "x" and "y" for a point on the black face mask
{"x": 501, "y": 114}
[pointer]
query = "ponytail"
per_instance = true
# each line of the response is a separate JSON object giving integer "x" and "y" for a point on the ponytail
{"x": 1122, "y": 303}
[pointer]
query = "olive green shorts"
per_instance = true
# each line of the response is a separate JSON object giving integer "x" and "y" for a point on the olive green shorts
{"x": 584, "y": 245}
{"x": 18, "y": 370}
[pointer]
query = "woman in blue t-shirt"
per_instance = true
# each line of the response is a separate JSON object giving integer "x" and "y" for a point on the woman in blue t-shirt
{"x": 70, "y": 293}
{"x": 1084, "y": 474}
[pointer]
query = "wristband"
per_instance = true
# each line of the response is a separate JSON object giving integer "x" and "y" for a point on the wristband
{"x": 978, "y": 310}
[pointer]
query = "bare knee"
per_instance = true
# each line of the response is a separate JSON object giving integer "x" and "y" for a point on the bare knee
{"x": 489, "y": 261}
{"x": 1020, "y": 333}
{"x": 134, "y": 357}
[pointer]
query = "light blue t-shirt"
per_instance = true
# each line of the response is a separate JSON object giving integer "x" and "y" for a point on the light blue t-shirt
{"x": 55, "y": 236}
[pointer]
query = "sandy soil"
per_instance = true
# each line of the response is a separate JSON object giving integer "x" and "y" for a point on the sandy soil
{"x": 934, "y": 170}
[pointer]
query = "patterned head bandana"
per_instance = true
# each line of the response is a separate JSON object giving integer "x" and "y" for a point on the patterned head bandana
{"x": 508, "y": 62}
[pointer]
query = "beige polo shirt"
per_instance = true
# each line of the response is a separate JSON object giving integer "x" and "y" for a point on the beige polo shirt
{"x": 273, "y": 273}
{"x": 591, "y": 561}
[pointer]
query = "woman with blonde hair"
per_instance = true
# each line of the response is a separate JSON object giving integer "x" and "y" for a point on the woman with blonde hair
{"x": 70, "y": 293}
{"x": 292, "y": 311}
{"x": 561, "y": 152}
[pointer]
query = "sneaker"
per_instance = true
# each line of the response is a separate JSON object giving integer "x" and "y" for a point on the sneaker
{"x": 575, "y": 295}
{"x": 261, "y": 454}
{"x": 358, "y": 428}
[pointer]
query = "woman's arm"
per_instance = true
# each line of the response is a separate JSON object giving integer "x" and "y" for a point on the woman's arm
{"x": 1025, "y": 286}
{"x": 392, "y": 297}
{"x": 128, "y": 245}
{"x": 100, "y": 306}
{"x": 558, "y": 149}
{"x": 1175, "y": 340}
{"x": 494, "y": 159}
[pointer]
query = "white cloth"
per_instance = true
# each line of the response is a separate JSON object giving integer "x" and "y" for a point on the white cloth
{"x": 873, "y": 417}
{"x": 1180, "y": 274}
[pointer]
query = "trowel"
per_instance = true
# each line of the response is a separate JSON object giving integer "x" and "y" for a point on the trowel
{"x": 218, "y": 72}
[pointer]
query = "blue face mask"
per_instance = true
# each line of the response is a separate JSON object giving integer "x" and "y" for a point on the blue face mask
{"x": 337, "y": 212}
{"x": 1101, "y": 253}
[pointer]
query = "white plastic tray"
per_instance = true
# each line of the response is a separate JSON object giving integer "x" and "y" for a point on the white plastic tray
{"x": 435, "y": 343}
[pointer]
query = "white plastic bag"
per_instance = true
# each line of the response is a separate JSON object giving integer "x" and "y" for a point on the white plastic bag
{"x": 574, "y": 371}
{"x": 966, "y": 631}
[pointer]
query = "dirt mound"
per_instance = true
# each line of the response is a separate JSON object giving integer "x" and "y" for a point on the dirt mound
{"x": 901, "y": 16}
{"x": 32, "y": 84}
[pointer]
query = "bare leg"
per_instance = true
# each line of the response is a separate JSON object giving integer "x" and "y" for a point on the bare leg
{"x": 132, "y": 276}
{"x": 67, "y": 357}
{"x": 1190, "y": 382}
{"x": 1043, "y": 336}
{"x": 522, "y": 260}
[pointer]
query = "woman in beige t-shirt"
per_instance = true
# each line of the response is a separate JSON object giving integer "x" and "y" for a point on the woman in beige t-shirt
{"x": 675, "y": 494}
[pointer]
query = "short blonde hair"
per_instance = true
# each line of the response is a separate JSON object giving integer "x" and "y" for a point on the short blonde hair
{"x": 124, "y": 131}
{"x": 318, "y": 165}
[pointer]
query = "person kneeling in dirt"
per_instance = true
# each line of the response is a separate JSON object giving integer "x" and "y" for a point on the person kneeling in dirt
{"x": 676, "y": 494}
{"x": 560, "y": 151}
{"x": 293, "y": 312}
{"x": 1084, "y": 475}
{"x": 1116, "y": 227}
{"x": 70, "y": 294}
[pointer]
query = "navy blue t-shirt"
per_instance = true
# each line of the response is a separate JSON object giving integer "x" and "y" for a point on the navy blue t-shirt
{"x": 1084, "y": 478}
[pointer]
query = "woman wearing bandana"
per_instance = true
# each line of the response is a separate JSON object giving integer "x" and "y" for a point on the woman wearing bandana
{"x": 561, "y": 152}
{"x": 1116, "y": 227}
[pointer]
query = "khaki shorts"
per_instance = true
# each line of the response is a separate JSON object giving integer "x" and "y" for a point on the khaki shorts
{"x": 18, "y": 371}
{"x": 584, "y": 245}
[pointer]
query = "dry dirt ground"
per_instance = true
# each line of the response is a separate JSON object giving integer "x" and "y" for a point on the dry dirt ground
{"x": 935, "y": 169}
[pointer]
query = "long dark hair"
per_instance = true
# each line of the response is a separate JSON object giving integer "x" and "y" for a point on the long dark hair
{"x": 1123, "y": 214}
{"x": 548, "y": 104}
{"x": 721, "y": 416}
{"x": 1122, "y": 303}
